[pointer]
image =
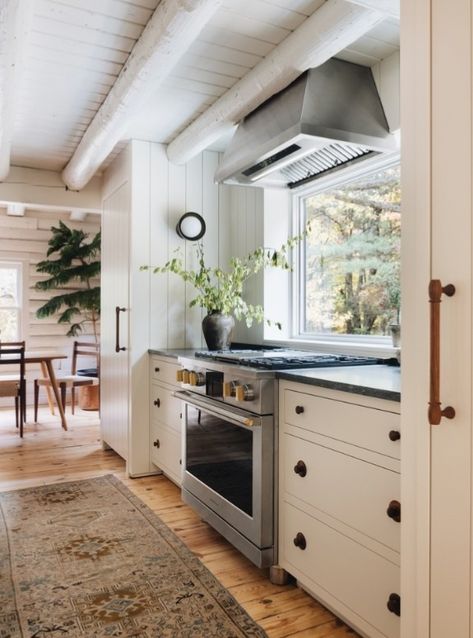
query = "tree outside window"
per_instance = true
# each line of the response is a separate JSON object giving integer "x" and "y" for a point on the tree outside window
{"x": 350, "y": 270}
{"x": 10, "y": 301}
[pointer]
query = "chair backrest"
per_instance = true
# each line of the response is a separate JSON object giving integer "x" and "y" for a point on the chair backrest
{"x": 85, "y": 349}
{"x": 13, "y": 353}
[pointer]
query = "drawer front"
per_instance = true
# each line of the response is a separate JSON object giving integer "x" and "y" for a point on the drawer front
{"x": 348, "y": 571}
{"x": 162, "y": 370}
{"x": 165, "y": 408}
{"x": 166, "y": 451}
{"x": 365, "y": 427}
{"x": 352, "y": 491}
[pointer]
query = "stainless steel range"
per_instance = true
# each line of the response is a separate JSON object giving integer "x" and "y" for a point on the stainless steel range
{"x": 230, "y": 438}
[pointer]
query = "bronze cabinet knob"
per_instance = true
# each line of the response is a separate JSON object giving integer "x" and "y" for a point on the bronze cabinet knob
{"x": 157, "y": 403}
{"x": 394, "y": 435}
{"x": 394, "y": 511}
{"x": 299, "y": 409}
{"x": 300, "y": 541}
{"x": 157, "y": 443}
{"x": 300, "y": 468}
{"x": 394, "y": 604}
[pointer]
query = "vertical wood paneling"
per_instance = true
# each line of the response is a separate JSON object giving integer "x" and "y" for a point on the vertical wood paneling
{"x": 234, "y": 219}
{"x": 139, "y": 310}
{"x": 224, "y": 232}
{"x": 159, "y": 240}
{"x": 176, "y": 306}
{"x": 194, "y": 191}
{"x": 210, "y": 207}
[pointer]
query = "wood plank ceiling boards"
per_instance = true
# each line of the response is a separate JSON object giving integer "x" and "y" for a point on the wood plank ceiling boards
{"x": 334, "y": 26}
{"x": 167, "y": 36}
{"x": 15, "y": 21}
{"x": 78, "y": 49}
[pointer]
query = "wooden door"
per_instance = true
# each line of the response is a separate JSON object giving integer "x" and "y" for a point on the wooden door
{"x": 437, "y": 115}
{"x": 115, "y": 375}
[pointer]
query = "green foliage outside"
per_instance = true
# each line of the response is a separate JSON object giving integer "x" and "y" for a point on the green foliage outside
{"x": 222, "y": 291}
{"x": 76, "y": 261}
{"x": 352, "y": 278}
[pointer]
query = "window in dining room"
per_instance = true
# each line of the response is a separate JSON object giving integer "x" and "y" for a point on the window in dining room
{"x": 10, "y": 300}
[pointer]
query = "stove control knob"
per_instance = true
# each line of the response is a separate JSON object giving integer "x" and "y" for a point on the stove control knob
{"x": 230, "y": 388}
{"x": 196, "y": 378}
{"x": 244, "y": 393}
{"x": 185, "y": 376}
{"x": 180, "y": 376}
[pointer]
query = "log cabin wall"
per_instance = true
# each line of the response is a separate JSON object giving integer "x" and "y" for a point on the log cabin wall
{"x": 24, "y": 239}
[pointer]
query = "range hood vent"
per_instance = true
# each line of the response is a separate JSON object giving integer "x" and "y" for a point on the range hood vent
{"x": 331, "y": 116}
{"x": 331, "y": 158}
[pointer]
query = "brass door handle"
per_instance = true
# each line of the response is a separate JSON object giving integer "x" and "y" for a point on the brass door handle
{"x": 436, "y": 290}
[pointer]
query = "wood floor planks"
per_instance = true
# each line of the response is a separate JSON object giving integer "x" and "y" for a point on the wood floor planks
{"x": 47, "y": 454}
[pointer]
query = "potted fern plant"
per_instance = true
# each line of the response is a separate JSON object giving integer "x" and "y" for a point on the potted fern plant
{"x": 221, "y": 292}
{"x": 75, "y": 261}
{"x": 73, "y": 264}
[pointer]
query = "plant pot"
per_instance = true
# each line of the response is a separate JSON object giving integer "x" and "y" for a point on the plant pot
{"x": 217, "y": 329}
{"x": 89, "y": 397}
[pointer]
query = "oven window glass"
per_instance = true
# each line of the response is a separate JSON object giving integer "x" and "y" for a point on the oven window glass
{"x": 220, "y": 454}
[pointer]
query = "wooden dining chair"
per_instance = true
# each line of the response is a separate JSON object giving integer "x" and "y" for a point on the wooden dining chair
{"x": 73, "y": 380}
{"x": 12, "y": 353}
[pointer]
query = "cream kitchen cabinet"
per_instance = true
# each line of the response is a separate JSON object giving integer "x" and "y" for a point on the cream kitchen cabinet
{"x": 339, "y": 502}
{"x": 165, "y": 417}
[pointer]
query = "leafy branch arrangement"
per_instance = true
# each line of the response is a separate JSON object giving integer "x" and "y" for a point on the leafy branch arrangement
{"x": 77, "y": 260}
{"x": 220, "y": 291}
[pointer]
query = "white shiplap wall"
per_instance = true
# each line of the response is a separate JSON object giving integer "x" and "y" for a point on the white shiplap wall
{"x": 25, "y": 239}
{"x": 234, "y": 219}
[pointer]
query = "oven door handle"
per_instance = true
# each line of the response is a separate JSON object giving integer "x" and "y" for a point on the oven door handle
{"x": 246, "y": 420}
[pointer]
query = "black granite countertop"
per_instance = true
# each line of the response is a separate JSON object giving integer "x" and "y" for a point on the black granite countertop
{"x": 380, "y": 381}
{"x": 173, "y": 353}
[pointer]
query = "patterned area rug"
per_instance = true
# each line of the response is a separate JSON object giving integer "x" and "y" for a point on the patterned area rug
{"x": 88, "y": 559}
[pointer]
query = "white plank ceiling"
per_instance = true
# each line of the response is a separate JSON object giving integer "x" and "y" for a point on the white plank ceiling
{"x": 77, "y": 48}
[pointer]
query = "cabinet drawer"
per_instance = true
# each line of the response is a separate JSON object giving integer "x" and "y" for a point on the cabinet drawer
{"x": 350, "y": 490}
{"x": 333, "y": 563}
{"x": 368, "y": 428}
{"x": 165, "y": 408}
{"x": 164, "y": 370}
{"x": 166, "y": 451}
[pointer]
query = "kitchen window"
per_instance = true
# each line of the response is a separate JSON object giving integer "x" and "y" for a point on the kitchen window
{"x": 347, "y": 279}
{"x": 10, "y": 300}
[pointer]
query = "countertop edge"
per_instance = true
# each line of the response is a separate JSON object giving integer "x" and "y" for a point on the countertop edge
{"x": 367, "y": 391}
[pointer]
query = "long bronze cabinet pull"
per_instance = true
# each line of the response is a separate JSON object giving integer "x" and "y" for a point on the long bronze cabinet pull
{"x": 436, "y": 290}
{"x": 118, "y": 310}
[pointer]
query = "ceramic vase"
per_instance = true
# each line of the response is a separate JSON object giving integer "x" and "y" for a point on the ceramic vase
{"x": 217, "y": 329}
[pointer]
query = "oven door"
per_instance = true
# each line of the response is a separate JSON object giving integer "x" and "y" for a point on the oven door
{"x": 229, "y": 464}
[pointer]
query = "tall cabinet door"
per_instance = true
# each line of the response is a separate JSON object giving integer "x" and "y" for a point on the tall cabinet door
{"x": 437, "y": 116}
{"x": 115, "y": 374}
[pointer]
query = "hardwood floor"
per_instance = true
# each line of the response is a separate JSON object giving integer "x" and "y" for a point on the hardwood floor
{"x": 47, "y": 454}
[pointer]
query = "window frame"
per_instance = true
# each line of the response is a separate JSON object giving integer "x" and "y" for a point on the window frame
{"x": 344, "y": 341}
{"x": 20, "y": 307}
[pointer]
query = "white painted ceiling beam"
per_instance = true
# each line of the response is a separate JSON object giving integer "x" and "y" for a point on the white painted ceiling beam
{"x": 173, "y": 27}
{"x": 333, "y": 27}
{"x": 389, "y": 7}
{"x": 15, "y": 23}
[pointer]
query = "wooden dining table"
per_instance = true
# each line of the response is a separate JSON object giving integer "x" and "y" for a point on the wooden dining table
{"x": 45, "y": 359}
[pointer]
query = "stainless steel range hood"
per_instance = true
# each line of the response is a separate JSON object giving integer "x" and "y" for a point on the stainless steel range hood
{"x": 331, "y": 116}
